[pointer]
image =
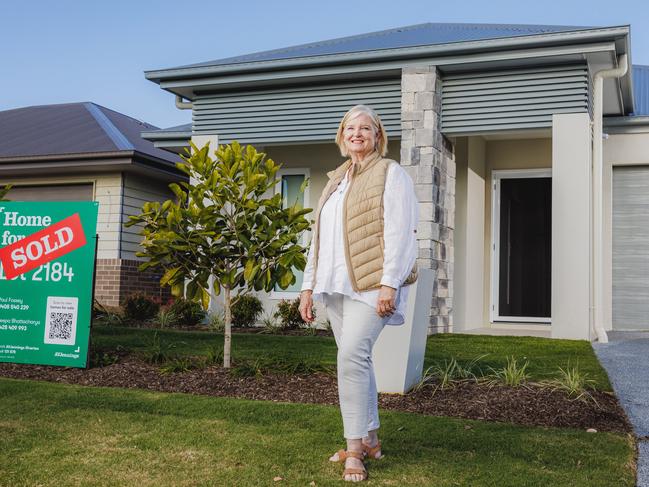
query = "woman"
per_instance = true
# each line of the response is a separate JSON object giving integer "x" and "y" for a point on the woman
{"x": 362, "y": 258}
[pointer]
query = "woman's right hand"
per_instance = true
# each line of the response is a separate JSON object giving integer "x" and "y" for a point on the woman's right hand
{"x": 306, "y": 303}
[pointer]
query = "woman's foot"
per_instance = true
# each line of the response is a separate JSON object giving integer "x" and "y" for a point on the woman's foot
{"x": 370, "y": 449}
{"x": 354, "y": 467}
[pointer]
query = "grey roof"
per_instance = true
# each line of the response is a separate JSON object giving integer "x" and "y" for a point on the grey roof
{"x": 641, "y": 90}
{"x": 186, "y": 127}
{"x": 409, "y": 36}
{"x": 73, "y": 128}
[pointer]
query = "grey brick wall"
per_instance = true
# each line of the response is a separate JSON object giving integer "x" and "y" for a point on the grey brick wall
{"x": 429, "y": 159}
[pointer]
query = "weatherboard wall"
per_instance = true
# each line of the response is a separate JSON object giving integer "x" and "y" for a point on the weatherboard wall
{"x": 294, "y": 114}
{"x": 485, "y": 102}
{"x": 138, "y": 190}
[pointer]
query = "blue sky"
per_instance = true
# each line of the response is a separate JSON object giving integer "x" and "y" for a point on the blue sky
{"x": 72, "y": 50}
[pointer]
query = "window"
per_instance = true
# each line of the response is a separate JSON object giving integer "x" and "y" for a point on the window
{"x": 289, "y": 182}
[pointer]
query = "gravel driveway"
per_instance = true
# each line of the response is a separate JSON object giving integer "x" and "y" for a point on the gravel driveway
{"x": 626, "y": 359}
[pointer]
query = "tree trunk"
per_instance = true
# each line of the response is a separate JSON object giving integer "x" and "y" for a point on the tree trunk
{"x": 227, "y": 335}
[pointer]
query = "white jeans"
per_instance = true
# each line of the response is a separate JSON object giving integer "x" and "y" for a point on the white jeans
{"x": 356, "y": 327}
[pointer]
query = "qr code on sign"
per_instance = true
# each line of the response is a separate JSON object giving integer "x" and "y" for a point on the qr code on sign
{"x": 60, "y": 326}
{"x": 61, "y": 320}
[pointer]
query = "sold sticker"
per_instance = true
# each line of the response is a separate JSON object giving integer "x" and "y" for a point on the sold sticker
{"x": 43, "y": 246}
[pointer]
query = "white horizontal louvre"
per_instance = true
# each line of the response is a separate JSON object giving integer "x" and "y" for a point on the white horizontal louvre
{"x": 297, "y": 114}
{"x": 474, "y": 103}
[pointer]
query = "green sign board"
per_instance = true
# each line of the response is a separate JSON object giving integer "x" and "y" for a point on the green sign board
{"x": 47, "y": 261}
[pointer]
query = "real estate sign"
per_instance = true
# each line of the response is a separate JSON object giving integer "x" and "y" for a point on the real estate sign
{"x": 47, "y": 260}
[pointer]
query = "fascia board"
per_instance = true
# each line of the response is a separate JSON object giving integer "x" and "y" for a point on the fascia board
{"x": 386, "y": 67}
{"x": 85, "y": 157}
{"x": 165, "y": 135}
{"x": 85, "y": 163}
{"x": 589, "y": 35}
{"x": 626, "y": 121}
{"x": 78, "y": 166}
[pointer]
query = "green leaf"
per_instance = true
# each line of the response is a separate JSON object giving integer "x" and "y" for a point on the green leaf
{"x": 247, "y": 273}
{"x": 169, "y": 275}
{"x": 216, "y": 285}
{"x": 285, "y": 279}
{"x": 304, "y": 184}
{"x": 178, "y": 289}
{"x": 205, "y": 299}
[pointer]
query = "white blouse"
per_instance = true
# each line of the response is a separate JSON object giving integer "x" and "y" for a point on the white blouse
{"x": 400, "y": 224}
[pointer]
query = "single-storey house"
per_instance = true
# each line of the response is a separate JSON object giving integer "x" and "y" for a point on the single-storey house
{"x": 528, "y": 146}
{"x": 86, "y": 152}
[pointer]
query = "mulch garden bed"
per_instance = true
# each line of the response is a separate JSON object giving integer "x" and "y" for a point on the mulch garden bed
{"x": 529, "y": 405}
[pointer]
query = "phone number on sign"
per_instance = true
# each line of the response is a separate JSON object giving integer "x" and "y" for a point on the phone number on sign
{"x": 50, "y": 272}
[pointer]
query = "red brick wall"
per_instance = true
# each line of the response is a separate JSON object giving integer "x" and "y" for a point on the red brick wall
{"x": 118, "y": 278}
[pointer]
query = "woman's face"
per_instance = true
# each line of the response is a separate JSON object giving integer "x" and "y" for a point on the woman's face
{"x": 360, "y": 135}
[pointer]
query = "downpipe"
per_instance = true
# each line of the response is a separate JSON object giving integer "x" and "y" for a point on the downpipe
{"x": 597, "y": 223}
{"x": 183, "y": 105}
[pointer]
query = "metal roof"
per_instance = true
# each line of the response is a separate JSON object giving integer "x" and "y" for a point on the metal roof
{"x": 409, "y": 36}
{"x": 641, "y": 90}
{"x": 73, "y": 128}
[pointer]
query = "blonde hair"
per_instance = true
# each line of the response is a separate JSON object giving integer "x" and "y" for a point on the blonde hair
{"x": 381, "y": 136}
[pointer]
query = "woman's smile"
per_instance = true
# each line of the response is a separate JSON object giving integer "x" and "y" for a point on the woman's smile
{"x": 360, "y": 136}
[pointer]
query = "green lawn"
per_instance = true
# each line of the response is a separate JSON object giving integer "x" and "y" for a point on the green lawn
{"x": 544, "y": 354}
{"x": 57, "y": 434}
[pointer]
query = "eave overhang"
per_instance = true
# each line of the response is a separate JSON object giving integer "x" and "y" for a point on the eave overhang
{"x": 90, "y": 163}
{"x": 626, "y": 125}
{"x": 170, "y": 140}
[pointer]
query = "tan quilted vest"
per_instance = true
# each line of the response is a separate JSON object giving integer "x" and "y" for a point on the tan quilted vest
{"x": 362, "y": 221}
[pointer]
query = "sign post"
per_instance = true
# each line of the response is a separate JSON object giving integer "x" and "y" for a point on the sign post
{"x": 47, "y": 260}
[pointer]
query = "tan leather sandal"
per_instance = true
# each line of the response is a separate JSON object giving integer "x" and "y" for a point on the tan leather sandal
{"x": 368, "y": 451}
{"x": 355, "y": 471}
{"x": 371, "y": 451}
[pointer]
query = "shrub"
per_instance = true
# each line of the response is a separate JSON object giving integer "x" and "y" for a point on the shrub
{"x": 140, "y": 307}
{"x": 216, "y": 322}
{"x": 112, "y": 319}
{"x": 246, "y": 310}
{"x": 573, "y": 382}
{"x": 289, "y": 314}
{"x": 270, "y": 322}
{"x": 99, "y": 358}
{"x": 214, "y": 355}
{"x": 450, "y": 373}
{"x": 158, "y": 353}
{"x": 300, "y": 365}
{"x": 513, "y": 374}
{"x": 188, "y": 312}
{"x": 166, "y": 317}
{"x": 248, "y": 368}
{"x": 178, "y": 364}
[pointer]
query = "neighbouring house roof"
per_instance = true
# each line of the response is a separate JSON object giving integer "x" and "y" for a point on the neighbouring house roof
{"x": 72, "y": 128}
{"x": 409, "y": 36}
{"x": 52, "y": 136}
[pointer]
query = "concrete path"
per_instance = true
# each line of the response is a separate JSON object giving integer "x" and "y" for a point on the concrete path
{"x": 626, "y": 359}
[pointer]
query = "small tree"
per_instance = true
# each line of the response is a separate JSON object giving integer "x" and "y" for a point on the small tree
{"x": 222, "y": 229}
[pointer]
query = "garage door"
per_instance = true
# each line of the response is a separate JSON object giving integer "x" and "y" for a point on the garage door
{"x": 631, "y": 248}
{"x": 59, "y": 192}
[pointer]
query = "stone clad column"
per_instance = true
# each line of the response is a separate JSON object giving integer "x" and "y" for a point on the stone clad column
{"x": 429, "y": 158}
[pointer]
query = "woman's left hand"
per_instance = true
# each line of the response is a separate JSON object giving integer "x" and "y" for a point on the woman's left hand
{"x": 386, "y": 303}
